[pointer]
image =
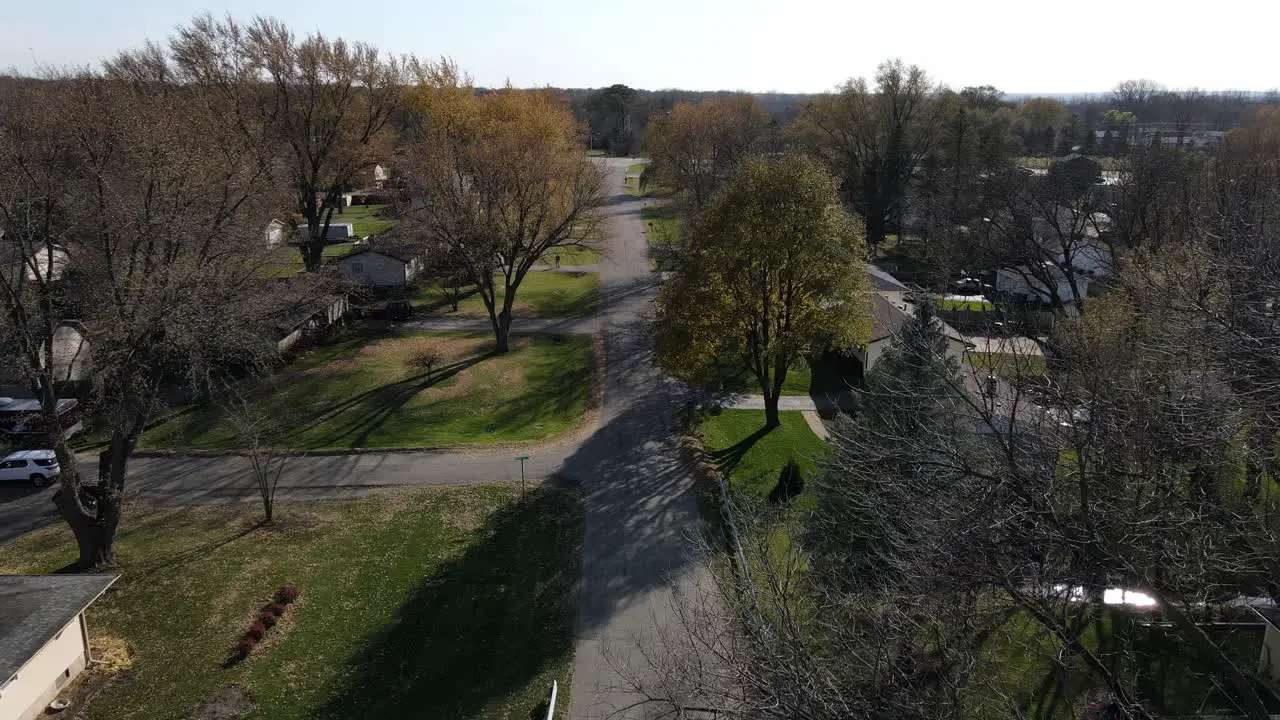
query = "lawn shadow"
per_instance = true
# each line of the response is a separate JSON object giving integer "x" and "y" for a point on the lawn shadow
{"x": 728, "y": 458}
{"x": 364, "y": 414}
{"x": 554, "y": 389}
{"x": 489, "y": 630}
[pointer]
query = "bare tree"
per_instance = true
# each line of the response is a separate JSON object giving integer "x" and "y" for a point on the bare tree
{"x": 497, "y": 181}
{"x": 875, "y": 140}
{"x": 696, "y": 148}
{"x": 257, "y": 433}
{"x": 315, "y": 107}
{"x": 158, "y": 209}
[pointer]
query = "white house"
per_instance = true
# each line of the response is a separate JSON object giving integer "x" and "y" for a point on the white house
{"x": 1043, "y": 284}
{"x": 380, "y": 264}
{"x": 380, "y": 176}
{"x": 44, "y": 641}
{"x": 887, "y": 285}
{"x": 890, "y": 312}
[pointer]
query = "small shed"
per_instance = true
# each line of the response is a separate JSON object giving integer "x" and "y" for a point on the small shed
{"x": 275, "y": 232}
{"x": 380, "y": 264}
{"x": 44, "y": 641}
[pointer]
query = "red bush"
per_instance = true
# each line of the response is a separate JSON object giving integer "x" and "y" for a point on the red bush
{"x": 245, "y": 647}
{"x": 287, "y": 594}
{"x": 255, "y": 632}
{"x": 266, "y": 619}
{"x": 277, "y": 609}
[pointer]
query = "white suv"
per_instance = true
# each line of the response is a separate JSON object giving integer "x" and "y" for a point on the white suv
{"x": 40, "y": 467}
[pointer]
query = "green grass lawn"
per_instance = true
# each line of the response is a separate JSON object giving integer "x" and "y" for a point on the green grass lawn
{"x": 595, "y": 153}
{"x": 636, "y": 169}
{"x": 958, "y": 305}
{"x": 370, "y": 392}
{"x": 753, "y": 459}
{"x": 663, "y": 225}
{"x": 365, "y": 220}
{"x": 1007, "y": 365}
{"x": 427, "y": 603}
{"x": 541, "y": 294}
{"x": 573, "y": 255}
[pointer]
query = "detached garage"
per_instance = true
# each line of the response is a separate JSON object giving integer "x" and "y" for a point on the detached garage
{"x": 44, "y": 642}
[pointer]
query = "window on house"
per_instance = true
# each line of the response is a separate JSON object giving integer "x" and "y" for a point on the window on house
{"x": 357, "y": 267}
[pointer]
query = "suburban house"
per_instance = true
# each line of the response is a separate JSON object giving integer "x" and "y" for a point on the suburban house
{"x": 313, "y": 318}
{"x": 890, "y": 311}
{"x": 887, "y": 285}
{"x": 380, "y": 264}
{"x": 1076, "y": 249}
{"x": 44, "y": 641}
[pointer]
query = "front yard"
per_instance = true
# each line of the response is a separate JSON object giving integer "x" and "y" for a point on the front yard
{"x": 543, "y": 293}
{"x": 429, "y": 603}
{"x": 373, "y": 392}
{"x": 751, "y": 458}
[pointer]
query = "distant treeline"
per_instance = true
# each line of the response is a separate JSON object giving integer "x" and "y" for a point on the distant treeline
{"x": 617, "y": 116}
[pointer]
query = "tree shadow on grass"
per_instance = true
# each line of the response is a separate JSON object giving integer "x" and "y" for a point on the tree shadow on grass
{"x": 728, "y": 458}
{"x": 485, "y": 634}
{"x": 350, "y": 423}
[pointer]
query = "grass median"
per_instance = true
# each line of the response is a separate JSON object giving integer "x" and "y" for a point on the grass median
{"x": 428, "y": 603}
{"x": 375, "y": 392}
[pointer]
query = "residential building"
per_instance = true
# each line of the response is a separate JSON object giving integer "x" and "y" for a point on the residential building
{"x": 44, "y": 640}
{"x": 889, "y": 313}
{"x": 380, "y": 264}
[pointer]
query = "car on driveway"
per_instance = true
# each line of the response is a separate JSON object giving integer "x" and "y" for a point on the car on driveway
{"x": 39, "y": 467}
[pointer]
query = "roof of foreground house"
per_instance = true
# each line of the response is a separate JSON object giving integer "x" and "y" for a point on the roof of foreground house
{"x": 33, "y": 608}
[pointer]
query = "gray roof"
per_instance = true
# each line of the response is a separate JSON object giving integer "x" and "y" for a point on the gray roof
{"x": 882, "y": 281}
{"x": 886, "y": 318}
{"x": 33, "y": 608}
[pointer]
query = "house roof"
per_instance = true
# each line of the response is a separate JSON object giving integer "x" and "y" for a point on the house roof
{"x": 392, "y": 249}
{"x": 33, "y": 608}
{"x": 888, "y": 318}
{"x": 882, "y": 281}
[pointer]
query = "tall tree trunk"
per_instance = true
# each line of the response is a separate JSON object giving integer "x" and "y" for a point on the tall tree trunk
{"x": 771, "y": 417}
{"x": 502, "y": 331}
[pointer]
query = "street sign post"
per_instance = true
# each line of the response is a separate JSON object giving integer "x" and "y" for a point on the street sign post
{"x": 522, "y": 458}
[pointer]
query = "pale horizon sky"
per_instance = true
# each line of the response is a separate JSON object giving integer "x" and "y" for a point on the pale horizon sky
{"x": 753, "y": 45}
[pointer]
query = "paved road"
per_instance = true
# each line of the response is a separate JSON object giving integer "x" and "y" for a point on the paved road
{"x": 639, "y": 496}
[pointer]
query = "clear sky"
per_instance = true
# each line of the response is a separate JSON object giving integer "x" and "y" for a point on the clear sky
{"x": 1019, "y": 46}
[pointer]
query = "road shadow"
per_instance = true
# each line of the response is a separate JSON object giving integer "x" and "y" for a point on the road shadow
{"x": 17, "y": 490}
{"x": 486, "y": 629}
{"x": 638, "y": 491}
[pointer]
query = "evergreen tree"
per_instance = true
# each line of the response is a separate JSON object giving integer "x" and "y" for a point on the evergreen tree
{"x": 873, "y": 517}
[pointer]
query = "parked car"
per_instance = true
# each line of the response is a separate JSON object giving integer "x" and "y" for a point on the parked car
{"x": 40, "y": 467}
